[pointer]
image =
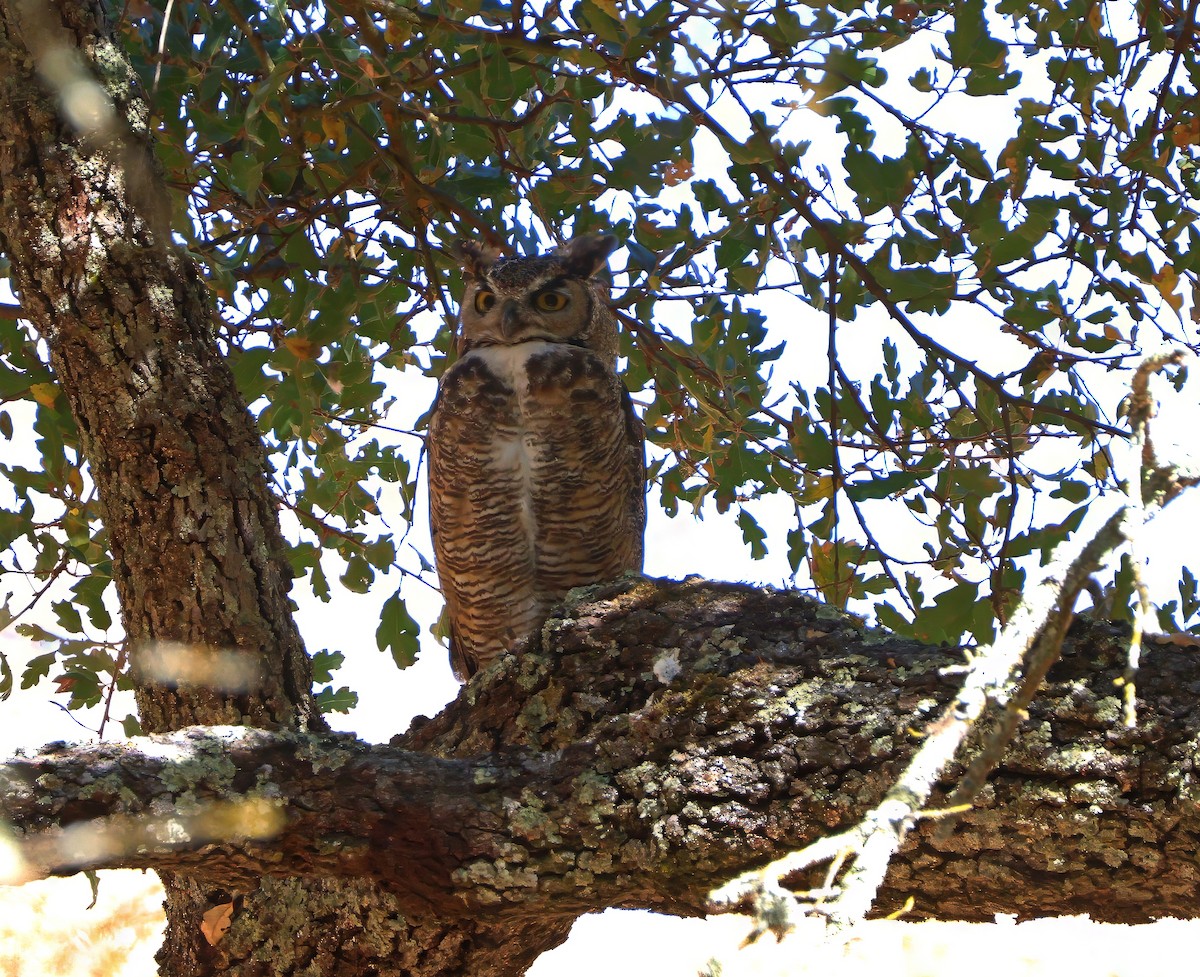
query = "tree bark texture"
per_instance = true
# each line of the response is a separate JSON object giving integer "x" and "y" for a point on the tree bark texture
{"x": 572, "y": 777}
{"x": 198, "y": 557}
{"x": 586, "y": 772}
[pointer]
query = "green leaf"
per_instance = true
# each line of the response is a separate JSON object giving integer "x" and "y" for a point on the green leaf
{"x": 797, "y": 544}
{"x": 879, "y": 183}
{"x": 949, "y": 616}
{"x": 882, "y": 488}
{"x": 854, "y": 124}
{"x": 923, "y": 80}
{"x": 1189, "y": 600}
{"x": 359, "y": 575}
{"x": 888, "y": 617}
{"x": 811, "y": 442}
{"x": 37, "y": 668}
{"x": 972, "y": 47}
{"x": 324, "y": 664}
{"x": 498, "y": 84}
{"x": 970, "y": 157}
{"x": 269, "y": 87}
{"x": 89, "y": 593}
{"x": 84, "y": 687}
{"x": 68, "y": 616}
{"x": 245, "y": 173}
{"x": 844, "y": 67}
{"x": 752, "y": 534}
{"x": 757, "y": 149}
{"x": 1071, "y": 490}
{"x": 336, "y": 700}
{"x": 398, "y": 631}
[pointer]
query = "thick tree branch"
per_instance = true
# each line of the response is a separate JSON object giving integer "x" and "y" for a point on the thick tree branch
{"x": 996, "y": 693}
{"x": 784, "y": 722}
{"x": 277, "y": 803}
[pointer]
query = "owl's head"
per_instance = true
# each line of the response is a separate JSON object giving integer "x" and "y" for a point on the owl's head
{"x": 559, "y": 297}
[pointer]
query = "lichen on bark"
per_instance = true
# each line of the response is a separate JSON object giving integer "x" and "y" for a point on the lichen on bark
{"x": 649, "y": 741}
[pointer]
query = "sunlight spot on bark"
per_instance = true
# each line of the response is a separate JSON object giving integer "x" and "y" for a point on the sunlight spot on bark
{"x": 178, "y": 664}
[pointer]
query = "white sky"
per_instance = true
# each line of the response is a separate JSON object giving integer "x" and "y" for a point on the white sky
{"x": 711, "y": 547}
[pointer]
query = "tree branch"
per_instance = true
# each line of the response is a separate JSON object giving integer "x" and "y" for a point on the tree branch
{"x": 571, "y": 778}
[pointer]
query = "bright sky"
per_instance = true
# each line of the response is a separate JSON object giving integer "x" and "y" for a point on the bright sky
{"x": 711, "y": 547}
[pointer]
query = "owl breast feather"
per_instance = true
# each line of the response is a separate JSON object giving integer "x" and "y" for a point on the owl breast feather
{"x": 539, "y": 486}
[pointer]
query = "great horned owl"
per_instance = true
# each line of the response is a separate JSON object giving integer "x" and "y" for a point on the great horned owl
{"x": 536, "y": 457}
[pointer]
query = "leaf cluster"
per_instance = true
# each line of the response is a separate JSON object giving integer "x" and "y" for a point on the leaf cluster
{"x": 882, "y": 261}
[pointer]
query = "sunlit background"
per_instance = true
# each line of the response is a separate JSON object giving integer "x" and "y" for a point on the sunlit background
{"x": 47, "y": 928}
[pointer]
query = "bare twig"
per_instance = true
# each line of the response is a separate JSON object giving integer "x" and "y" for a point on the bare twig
{"x": 1000, "y": 682}
{"x": 1142, "y": 408}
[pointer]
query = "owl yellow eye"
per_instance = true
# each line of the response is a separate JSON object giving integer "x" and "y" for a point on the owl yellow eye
{"x": 484, "y": 300}
{"x": 551, "y": 301}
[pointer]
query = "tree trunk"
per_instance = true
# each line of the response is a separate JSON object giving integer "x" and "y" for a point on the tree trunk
{"x": 198, "y": 557}
{"x": 692, "y": 732}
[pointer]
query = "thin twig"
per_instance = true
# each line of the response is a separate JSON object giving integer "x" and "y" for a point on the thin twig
{"x": 1142, "y": 408}
{"x": 988, "y": 685}
{"x": 162, "y": 46}
{"x": 839, "y": 478}
{"x": 1000, "y": 683}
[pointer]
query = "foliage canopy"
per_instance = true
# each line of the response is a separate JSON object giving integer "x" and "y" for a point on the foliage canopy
{"x": 1000, "y": 197}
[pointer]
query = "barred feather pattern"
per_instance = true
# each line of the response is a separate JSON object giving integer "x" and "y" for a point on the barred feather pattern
{"x": 537, "y": 485}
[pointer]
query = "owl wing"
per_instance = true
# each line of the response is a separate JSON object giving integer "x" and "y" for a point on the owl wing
{"x": 453, "y": 450}
{"x": 435, "y": 448}
{"x": 482, "y": 559}
{"x": 635, "y": 434}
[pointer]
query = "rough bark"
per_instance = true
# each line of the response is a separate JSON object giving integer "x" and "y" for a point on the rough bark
{"x": 784, "y": 722}
{"x": 770, "y": 734}
{"x": 198, "y": 557}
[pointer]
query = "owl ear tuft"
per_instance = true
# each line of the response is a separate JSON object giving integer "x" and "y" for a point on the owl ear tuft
{"x": 477, "y": 258}
{"x": 587, "y": 255}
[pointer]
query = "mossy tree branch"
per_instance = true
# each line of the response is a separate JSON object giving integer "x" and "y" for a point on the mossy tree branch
{"x": 784, "y": 722}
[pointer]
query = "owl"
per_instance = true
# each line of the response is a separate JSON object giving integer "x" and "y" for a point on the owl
{"x": 536, "y": 459}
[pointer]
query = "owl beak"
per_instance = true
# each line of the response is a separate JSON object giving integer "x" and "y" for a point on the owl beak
{"x": 510, "y": 319}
